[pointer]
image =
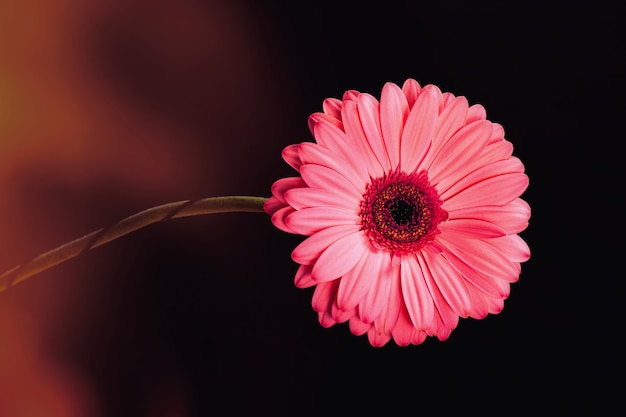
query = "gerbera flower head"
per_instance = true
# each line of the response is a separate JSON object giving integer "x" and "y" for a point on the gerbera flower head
{"x": 411, "y": 207}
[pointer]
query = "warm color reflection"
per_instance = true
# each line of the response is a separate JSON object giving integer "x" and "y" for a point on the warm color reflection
{"x": 30, "y": 383}
{"x": 107, "y": 108}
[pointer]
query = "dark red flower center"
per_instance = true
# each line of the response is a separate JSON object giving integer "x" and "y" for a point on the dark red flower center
{"x": 400, "y": 212}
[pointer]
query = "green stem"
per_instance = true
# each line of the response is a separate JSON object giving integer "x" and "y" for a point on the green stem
{"x": 128, "y": 225}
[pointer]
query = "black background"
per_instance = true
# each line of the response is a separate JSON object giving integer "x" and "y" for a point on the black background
{"x": 201, "y": 314}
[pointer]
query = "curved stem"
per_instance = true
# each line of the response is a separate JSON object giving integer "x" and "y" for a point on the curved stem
{"x": 130, "y": 224}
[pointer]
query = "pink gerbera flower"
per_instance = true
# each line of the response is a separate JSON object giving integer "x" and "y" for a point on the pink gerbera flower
{"x": 412, "y": 209}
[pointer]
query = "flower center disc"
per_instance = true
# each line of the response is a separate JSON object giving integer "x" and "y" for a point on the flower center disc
{"x": 400, "y": 212}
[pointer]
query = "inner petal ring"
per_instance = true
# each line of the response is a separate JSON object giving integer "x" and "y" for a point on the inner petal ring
{"x": 400, "y": 212}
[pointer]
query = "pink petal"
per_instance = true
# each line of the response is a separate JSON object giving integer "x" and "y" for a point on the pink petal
{"x": 488, "y": 304}
{"x": 350, "y": 95}
{"x": 470, "y": 228}
{"x": 480, "y": 302}
{"x": 513, "y": 247}
{"x": 493, "y": 153}
{"x": 483, "y": 257}
{"x": 323, "y": 296}
{"x": 369, "y": 163}
{"x": 355, "y": 283}
{"x": 495, "y": 305}
{"x": 512, "y": 217}
{"x": 377, "y": 339}
{"x": 493, "y": 286}
{"x": 386, "y": 321}
{"x": 498, "y": 191}
{"x": 418, "y": 130}
{"x": 449, "y": 282}
{"x": 452, "y": 118}
{"x": 377, "y": 295}
{"x": 333, "y": 138}
{"x": 282, "y": 185}
{"x": 497, "y": 134}
{"x": 438, "y": 94}
{"x": 369, "y": 114}
{"x": 326, "y": 319}
{"x": 311, "y": 220}
{"x": 496, "y": 151}
{"x": 311, "y": 153}
{"x": 453, "y": 184}
{"x": 447, "y": 99}
{"x": 476, "y": 112}
{"x": 418, "y": 338}
{"x": 332, "y": 107}
{"x": 393, "y": 112}
{"x": 417, "y": 298}
{"x": 404, "y": 331}
{"x": 446, "y": 318}
{"x": 340, "y": 257}
{"x": 357, "y": 326}
{"x": 411, "y": 90}
{"x": 444, "y": 333}
{"x": 300, "y": 198}
{"x": 318, "y": 118}
{"x": 303, "y": 278}
{"x": 317, "y": 176}
{"x": 450, "y": 121}
{"x": 272, "y": 205}
{"x": 463, "y": 147}
{"x": 290, "y": 155}
{"x": 310, "y": 249}
{"x": 339, "y": 315}
{"x": 279, "y": 219}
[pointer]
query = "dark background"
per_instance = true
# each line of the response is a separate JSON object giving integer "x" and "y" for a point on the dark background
{"x": 199, "y": 316}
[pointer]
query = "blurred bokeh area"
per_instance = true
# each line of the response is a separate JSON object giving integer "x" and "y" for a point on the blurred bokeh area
{"x": 109, "y": 107}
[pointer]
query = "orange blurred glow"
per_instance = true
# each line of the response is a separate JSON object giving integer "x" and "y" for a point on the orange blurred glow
{"x": 108, "y": 108}
{"x": 30, "y": 383}
{"x": 140, "y": 102}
